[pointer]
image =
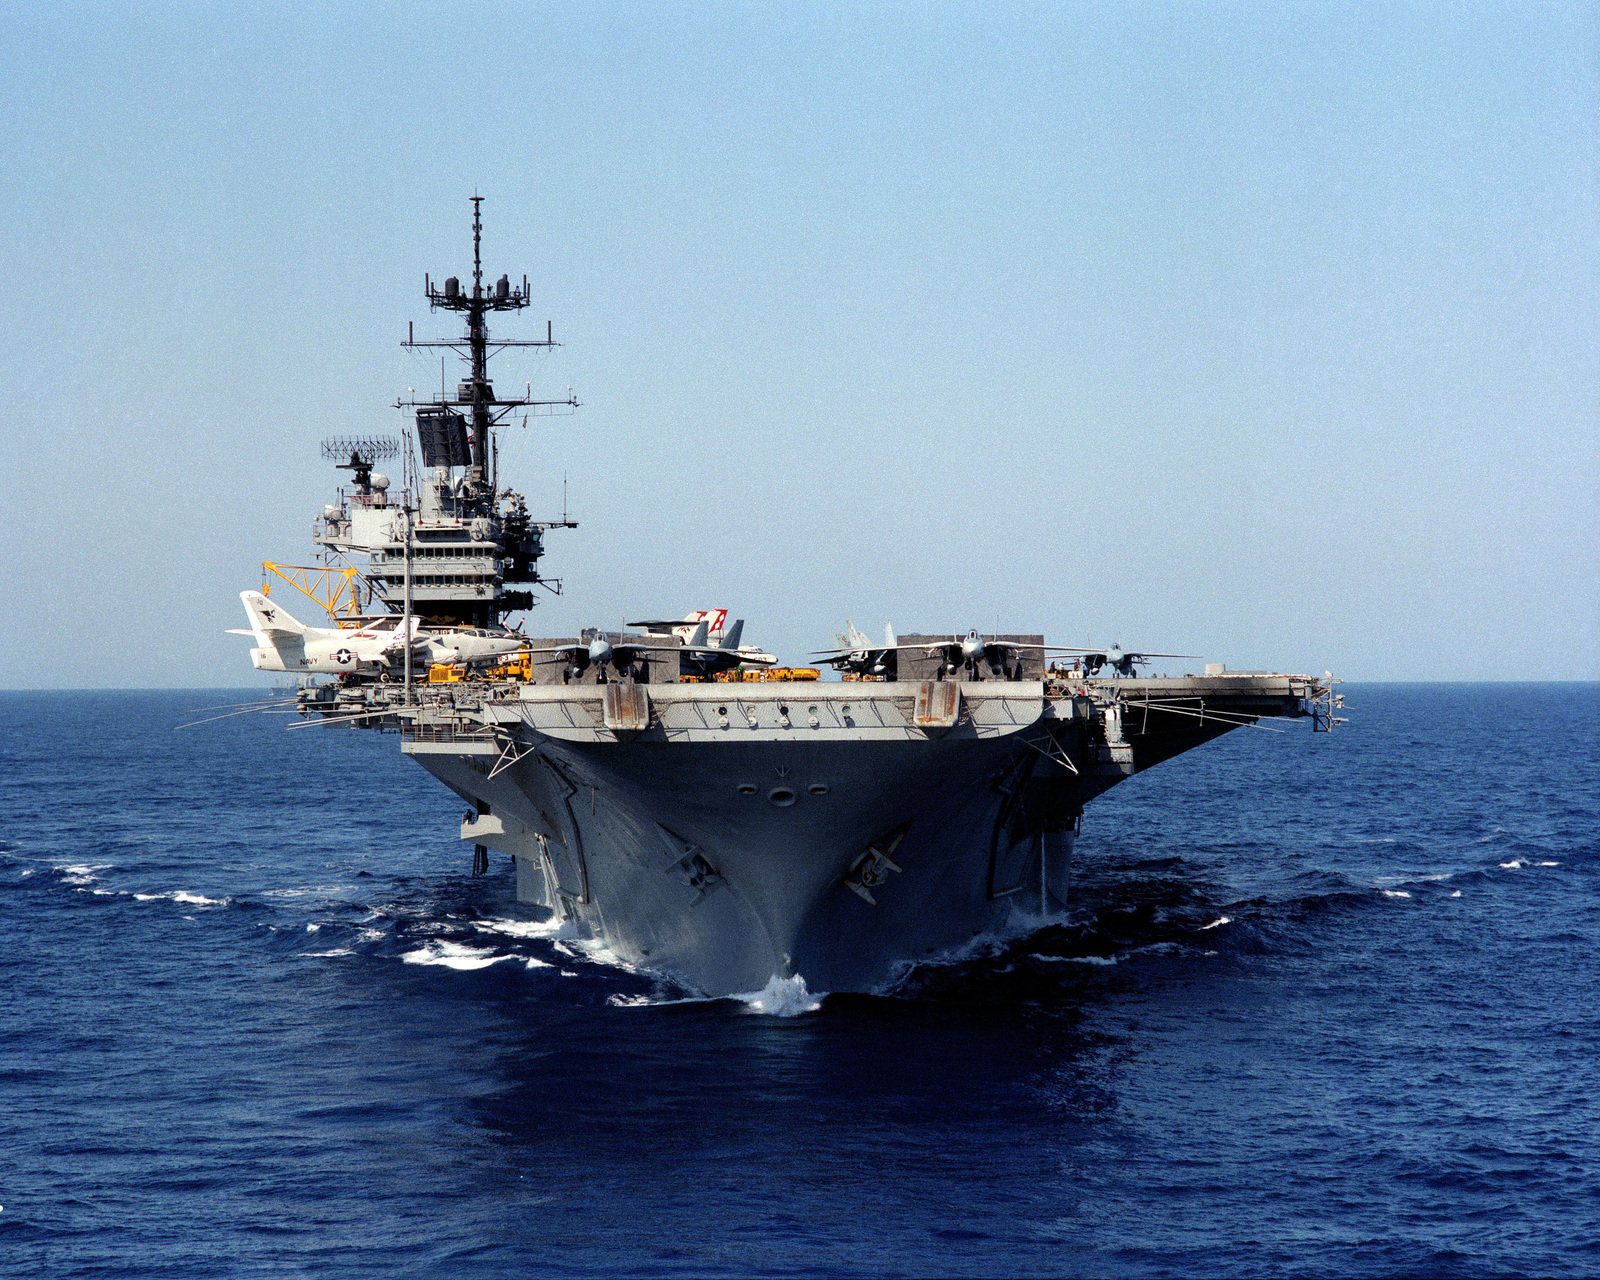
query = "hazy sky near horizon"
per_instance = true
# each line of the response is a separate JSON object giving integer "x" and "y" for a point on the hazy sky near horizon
{"x": 1264, "y": 332}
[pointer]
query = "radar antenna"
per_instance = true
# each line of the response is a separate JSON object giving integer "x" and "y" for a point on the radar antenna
{"x": 362, "y": 452}
{"x": 370, "y": 448}
{"x": 476, "y": 393}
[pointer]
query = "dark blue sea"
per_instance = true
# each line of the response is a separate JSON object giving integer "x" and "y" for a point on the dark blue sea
{"x": 1325, "y": 1005}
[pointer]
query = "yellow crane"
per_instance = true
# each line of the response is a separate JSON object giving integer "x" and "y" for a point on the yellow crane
{"x": 334, "y": 589}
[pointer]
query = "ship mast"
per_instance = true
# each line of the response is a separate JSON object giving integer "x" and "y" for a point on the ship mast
{"x": 476, "y": 394}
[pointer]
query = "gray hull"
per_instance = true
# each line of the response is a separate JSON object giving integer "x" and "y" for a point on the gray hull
{"x": 726, "y": 856}
{"x": 728, "y": 834}
{"x": 732, "y": 834}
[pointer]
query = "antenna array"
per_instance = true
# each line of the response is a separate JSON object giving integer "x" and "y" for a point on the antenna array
{"x": 368, "y": 448}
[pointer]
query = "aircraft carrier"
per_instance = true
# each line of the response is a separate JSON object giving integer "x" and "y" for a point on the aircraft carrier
{"x": 696, "y": 808}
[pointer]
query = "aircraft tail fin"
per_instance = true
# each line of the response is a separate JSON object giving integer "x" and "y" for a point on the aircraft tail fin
{"x": 730, "y": 635}
{"x": 698, "y": 639}
{"x": 889, "y": 641}
{"x": 269, "y": 621}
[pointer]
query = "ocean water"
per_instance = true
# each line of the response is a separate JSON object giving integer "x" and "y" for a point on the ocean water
{"x": 1323, "y": 1006}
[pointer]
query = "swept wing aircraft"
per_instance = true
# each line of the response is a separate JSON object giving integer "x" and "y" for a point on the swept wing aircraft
{"x": 1121, "y": 661}
{"x": 696, "y": 654}
{"x": 471, "y": 646}
{"x": 718, "y": 634}
{"x": 859, "y": 656}
{"x": 970, "y": 653}
{"x": 284, "y": 643}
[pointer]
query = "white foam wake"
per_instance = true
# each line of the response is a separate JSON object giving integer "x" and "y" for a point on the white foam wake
{"x": 782, "y": 998}
{"x": 306, "y": 891}
{"x": 658, "y": 1001}
{"x": 527, "y": 928}
{"x": 592, "y": 951}
{"x": 183, "y": 896}
{"x": 453, "y": 955}
{"x": 1019, "y": 924}
{"x": 1097, "y": 960}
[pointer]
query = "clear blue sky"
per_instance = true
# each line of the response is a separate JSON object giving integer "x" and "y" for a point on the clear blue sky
{"x": 1266, "y": 332}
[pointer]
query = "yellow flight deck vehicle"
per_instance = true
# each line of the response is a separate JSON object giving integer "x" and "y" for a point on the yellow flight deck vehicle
{"x": 518, "y": 667}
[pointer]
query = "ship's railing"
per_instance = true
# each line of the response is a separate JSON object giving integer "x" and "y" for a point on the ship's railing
{"x": 446, "y": 732}
{"x": 1250, "y": 699}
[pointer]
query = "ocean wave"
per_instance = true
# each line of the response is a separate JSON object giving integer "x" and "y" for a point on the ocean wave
{"x": 780, "y": 998}
{"x": 660, "y": 999}
{"x": 527, "y": 928}
{"x": 1105, "y": 961}
{"x": 306, "y": 891}
{"x": 182, "y": 896}
{"x": 83, "y": 873}
{"x": 452, "y": 955}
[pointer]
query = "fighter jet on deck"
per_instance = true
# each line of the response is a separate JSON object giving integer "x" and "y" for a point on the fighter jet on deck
{"x": 697, "y": 655}
{"x": 284, "y": 643}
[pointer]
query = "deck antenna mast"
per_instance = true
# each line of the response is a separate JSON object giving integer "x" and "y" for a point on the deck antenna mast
{"x": 476, "y": 393}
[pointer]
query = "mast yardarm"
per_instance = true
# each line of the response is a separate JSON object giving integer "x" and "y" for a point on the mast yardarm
{"x": 475, "y": 395}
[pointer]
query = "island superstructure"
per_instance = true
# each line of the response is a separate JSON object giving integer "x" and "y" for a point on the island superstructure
{"x": 464, "y": 548}
{"x": 726, "y": 821}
